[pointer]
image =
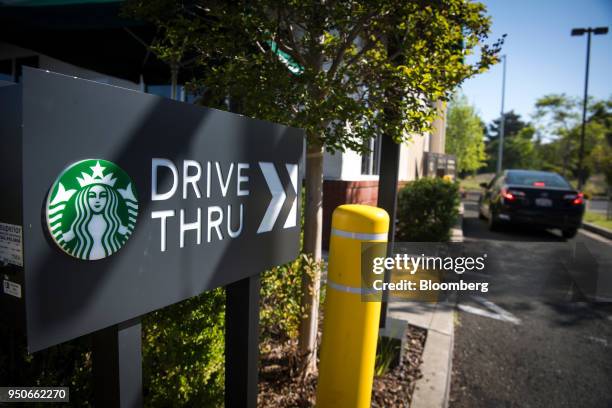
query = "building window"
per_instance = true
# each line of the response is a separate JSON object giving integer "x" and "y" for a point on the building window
{"x": 370, "y": 162}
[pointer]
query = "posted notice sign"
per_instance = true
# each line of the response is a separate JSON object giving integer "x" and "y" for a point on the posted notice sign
{"x": 131, "y": 202}
{"x": 11, "y": 251}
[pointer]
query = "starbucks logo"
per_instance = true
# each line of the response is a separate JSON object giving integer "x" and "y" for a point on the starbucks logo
{"x": 92, "y": 209}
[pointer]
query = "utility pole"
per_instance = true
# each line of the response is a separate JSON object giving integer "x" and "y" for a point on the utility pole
{"x": 580, "y": 32}
{"x": 500, "y": 150}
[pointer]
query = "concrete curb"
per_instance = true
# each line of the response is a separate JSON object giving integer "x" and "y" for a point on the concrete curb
{"x": 604, "y": 232}
{"x": 433, "y": 389}
{"x": 457, "y": 230}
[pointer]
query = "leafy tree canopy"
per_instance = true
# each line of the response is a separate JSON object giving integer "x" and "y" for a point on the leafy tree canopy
{"x": 348, "y": 77}
{"x": 513, "y": 124}
{"x": 514, "y": 127}
{"x": 465, "y": 135}
{"x": 559, "y": 119}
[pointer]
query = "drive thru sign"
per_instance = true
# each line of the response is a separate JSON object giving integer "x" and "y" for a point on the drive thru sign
{"x": 128, "y": 202}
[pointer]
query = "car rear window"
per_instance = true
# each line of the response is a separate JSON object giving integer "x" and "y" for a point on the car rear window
{"x": 537, "y": 180}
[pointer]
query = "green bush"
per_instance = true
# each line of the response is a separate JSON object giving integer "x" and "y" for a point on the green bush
{"x": 426, "y": 210}
{"x": 183, "y": 353}
{"x": 279, "y": 307}
{"x": 281, "y": 292}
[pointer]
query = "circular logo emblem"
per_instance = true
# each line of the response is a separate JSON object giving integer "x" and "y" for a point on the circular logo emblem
{"x": 92, "y": 209}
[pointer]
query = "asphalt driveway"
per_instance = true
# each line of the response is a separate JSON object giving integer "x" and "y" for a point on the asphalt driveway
{"x": 534, "y": 341}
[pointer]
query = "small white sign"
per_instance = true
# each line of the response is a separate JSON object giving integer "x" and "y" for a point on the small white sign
{"x": 11, "y": 288}
{"x": 11, "y": 248}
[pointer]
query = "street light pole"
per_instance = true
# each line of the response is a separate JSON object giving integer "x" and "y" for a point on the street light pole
{"x": 580, "y": 32}
{"x": 500, "y": 150}
{"x": 584, "y": 109}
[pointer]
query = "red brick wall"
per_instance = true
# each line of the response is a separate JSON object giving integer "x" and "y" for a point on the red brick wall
{"x": 337, "y": 192}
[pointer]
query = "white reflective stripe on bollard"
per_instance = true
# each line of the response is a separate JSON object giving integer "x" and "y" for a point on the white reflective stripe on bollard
{"x": 360, "y": 236}
{"x": 349, "y": 289}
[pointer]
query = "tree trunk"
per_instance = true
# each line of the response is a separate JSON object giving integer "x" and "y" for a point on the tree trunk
{"x": 174, "y": 68}
{"x": 313, "y": 231}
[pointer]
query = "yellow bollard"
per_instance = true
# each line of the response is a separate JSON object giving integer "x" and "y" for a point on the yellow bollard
{"x": 350, "y": 326}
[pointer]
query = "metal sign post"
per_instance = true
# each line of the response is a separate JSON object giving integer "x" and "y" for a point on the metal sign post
{"x": 242, "y": 342}
{"x": 241, "y": 334}
{"x": 117, "y": 365}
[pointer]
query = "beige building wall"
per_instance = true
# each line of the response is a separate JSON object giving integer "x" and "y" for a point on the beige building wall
{"x": 411, "y": 157}
{"x": 438, "y": 134}
{"x": 412, "y": 153}
{"x": 347, "y": 165}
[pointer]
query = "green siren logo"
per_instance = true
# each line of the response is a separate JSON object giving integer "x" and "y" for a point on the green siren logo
{"x": 92, "y": 209}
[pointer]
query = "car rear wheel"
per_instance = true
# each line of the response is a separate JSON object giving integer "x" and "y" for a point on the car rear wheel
{"x": 569, "y": 233}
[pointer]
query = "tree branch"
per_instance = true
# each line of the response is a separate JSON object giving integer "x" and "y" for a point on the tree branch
{"x": 365, "y": 49}
{"x": 400, "y": 50}
{"x": 293, "y": 48}
{"x": 350, "y": 38}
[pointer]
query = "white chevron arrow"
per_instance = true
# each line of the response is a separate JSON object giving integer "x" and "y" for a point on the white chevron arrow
{"x": 278, "y": 197}
{"x": 291, "y": 220}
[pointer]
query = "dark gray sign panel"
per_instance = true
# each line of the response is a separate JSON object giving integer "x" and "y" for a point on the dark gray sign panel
{"x": 208, "y": 198}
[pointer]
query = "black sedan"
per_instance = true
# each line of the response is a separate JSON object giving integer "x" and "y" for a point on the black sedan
{"x": 537, "y": 198}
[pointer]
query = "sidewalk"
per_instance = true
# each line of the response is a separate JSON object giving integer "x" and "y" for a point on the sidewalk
{"x": 432, "y": 390}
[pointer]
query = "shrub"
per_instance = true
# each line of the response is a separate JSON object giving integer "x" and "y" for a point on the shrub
{"x": 281, "y": 292}
{"x": 183, "y": 352}
{"x": 387, "y": 355}
{"x": 426, "y": 210}
{"x": 279, "y": 304}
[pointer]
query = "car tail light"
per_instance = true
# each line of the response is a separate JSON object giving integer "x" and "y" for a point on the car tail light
{"x": 577, "y": 199}
{"x": 511, "y": 195}
{"x": 539, "y": 184}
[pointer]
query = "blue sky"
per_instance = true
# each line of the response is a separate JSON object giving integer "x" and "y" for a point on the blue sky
{"x": 542, "y": 57}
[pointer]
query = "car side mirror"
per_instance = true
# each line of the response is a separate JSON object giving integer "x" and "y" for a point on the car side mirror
{"x": 484, "y": 185}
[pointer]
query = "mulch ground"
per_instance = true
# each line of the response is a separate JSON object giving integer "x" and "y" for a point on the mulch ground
{"x": 280, "y": 384}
